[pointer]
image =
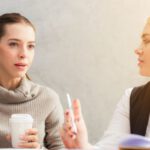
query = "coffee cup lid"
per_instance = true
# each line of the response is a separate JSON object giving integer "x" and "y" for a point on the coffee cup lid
{"x": 21, "y": 117}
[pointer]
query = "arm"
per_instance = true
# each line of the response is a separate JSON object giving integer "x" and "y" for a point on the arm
{"x": 53, "y": 122}
{"x": 119, "y": 125}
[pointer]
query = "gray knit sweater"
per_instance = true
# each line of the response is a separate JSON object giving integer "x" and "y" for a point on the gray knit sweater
{"x": 40, "y": 102}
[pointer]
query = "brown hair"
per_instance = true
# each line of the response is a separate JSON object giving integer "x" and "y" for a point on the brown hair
{"x": 13, "y": 18}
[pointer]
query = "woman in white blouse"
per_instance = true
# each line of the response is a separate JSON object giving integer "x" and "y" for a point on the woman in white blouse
{"x": 121, "y": 122}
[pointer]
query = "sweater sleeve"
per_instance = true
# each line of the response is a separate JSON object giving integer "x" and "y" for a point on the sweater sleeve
{"x": 52, "y": 140}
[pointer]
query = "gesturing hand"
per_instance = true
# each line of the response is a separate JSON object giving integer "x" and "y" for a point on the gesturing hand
{"x": 71, "y": 139}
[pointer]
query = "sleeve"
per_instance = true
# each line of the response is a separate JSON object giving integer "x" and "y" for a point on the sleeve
{"x": 52, "y": 140}
{"x": 119, "y": 125}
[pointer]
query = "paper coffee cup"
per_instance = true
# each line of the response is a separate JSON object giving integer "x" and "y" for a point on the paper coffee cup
{"x": 19, "y": 123}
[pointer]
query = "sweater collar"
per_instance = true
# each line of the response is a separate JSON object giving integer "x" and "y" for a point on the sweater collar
{"x": 21, "y": 94}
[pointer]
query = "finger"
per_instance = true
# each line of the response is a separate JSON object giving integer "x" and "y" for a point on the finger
{"x": 66, "y": 137}
{"x": 29, "y": 138}
{"x": 32, "y": 131}
{"x": 67, "y": 127}
{"x": 29, "y": 145}
{"x": 67, "y": 116}
{"x": 67, "y": 122}
{"x": 77, "y": 109}
{"x": 8, "y": 137}
{"x": 63, "y": 135}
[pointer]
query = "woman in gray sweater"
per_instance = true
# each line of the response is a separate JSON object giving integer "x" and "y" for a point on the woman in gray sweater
{"x": 18, "y": 94}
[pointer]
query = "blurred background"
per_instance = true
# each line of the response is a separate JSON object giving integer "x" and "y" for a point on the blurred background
{"x": 86, "y": 48}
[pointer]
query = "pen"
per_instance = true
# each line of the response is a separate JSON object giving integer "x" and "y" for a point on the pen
{"x": 71, "y": 113}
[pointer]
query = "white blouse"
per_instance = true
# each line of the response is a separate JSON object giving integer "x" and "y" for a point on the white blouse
{"x": 119, "y": 125}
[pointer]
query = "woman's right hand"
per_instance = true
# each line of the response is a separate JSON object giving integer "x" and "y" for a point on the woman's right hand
{"x": 71, "y": 139}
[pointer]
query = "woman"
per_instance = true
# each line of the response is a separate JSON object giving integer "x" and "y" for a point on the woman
{"x": 131, "y": 115}
{"x": 18, "y": 94}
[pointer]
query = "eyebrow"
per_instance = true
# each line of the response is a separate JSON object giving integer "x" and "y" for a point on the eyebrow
{"x": 144, "y": 35}
{"x": 20, "y": 40}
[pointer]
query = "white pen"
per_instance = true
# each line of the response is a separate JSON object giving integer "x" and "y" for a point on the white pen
{"x": 71, "y": 113}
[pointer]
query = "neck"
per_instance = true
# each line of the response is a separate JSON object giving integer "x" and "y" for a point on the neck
{"x": 10, "y": 84}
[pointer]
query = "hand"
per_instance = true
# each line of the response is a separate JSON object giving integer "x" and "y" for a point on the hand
{"x": 71, "y": 139}
{"x": 29, "y": 139}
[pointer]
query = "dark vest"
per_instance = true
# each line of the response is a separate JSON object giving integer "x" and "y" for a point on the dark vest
{"x": 140, "y": 109}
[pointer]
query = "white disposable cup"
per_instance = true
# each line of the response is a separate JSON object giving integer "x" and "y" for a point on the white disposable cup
{"x": 19, "y": 123}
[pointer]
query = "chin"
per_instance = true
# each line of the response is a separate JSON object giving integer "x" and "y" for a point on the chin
{"x": 20, "y": 75}
{"x": 144, "y": 73}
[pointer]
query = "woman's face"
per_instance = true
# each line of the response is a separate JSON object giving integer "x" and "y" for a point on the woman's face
{"x": 143, "y": 52}
{"x": 16, "y": 50}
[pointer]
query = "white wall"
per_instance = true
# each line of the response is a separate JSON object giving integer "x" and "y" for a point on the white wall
{"x": 86, "y": 48}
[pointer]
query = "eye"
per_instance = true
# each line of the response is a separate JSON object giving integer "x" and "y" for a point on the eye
{"x": 31, "y": 46}
{"x": 146, "y": 41}
{"x": 13, "y": 44}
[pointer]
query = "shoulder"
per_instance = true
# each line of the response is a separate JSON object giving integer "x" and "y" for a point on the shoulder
{"x": 126, "y": 94}
{"x": 44, "y": 92}
{"x": 132, "y": 90}
{"x": 128, "y": 91}
{"x": 124, "y": 101}
{"x": 137, "y": 90}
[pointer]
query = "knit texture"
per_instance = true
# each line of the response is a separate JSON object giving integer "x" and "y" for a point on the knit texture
{"x": 42, "y": 103}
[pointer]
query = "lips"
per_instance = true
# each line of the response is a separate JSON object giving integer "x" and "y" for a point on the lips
{"x": 140, "y": 61}
{"x": 20, "y": 66}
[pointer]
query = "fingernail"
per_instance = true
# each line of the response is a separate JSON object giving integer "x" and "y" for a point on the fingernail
{"x": 67, "y": 113}
{"x": 71, "y": 136}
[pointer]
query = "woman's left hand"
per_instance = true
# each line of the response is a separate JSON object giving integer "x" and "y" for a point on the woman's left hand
{"x": 29, "y": 139}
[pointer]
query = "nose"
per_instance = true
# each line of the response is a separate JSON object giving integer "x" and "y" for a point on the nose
{"x": 139, "y": 50}
{"x": 23, "y": 52}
